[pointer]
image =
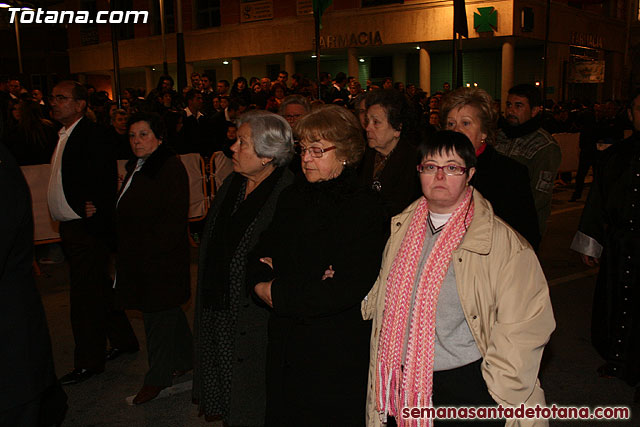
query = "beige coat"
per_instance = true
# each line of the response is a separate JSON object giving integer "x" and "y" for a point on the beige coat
{"x": 505, "y": 299}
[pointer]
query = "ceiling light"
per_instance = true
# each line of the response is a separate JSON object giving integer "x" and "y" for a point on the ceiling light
{"x": 361, "y": 59}
{"x": 225, "y": 62}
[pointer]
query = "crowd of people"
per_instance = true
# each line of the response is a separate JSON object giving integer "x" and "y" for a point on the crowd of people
{"x": 367, "y": 249}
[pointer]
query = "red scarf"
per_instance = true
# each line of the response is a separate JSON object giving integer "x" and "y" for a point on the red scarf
{"x": 412, "y": 385}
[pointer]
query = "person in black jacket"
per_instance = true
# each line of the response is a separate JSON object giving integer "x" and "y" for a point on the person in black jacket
{"x": 152, "y": 268}
{"x": 608, "y": 236}
{"x": 82, "y": 195}
{"x": 313, "y": 266}
{"x": 501, "y": 180}
{"x": 28, "y": 374}
{"x": 389, "y": 161}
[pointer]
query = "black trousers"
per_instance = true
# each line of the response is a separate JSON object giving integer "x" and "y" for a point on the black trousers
{"x": 169, "y": 345}
{"x": 91, "y": 298}
{"x": 463, "y": 386}
{"x": 588, "y": 158}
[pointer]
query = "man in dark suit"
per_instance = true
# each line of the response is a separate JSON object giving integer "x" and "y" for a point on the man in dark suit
{"x": 82, "y": 196}
{"x": 27, "y": 376}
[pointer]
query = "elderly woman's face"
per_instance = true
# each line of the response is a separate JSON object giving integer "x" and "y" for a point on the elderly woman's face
{"x": 381, "y": 136}
{"x": 245, "y": 160}
{"x": 444, "y": 192}
{"x": 142, "y": 139}
{"x": 466, "y": 120}
{"x": 320, "y": 166}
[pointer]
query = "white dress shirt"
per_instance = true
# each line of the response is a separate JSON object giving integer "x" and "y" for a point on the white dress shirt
{"x": 58, "y": 206}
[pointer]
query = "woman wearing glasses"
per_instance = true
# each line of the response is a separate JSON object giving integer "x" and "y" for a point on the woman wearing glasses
{"x": 461, "y": 309}
{"x": 313, "y": 266}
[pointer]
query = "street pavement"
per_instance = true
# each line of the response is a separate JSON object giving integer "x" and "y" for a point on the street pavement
{"x": 568, "y": 372}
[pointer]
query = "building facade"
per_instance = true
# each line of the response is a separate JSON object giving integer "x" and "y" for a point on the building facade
{"x": 410, "y": 41}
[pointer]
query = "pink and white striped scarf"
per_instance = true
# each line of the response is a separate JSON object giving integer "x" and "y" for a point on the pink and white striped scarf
{"x": 412, "y": 385}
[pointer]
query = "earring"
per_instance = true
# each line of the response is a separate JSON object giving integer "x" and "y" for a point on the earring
{"x": 344, "y": 163}
{"x": 264, "y": 163}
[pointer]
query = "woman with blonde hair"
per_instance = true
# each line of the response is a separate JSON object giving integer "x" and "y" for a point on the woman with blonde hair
{"x": 503, "y": 181}
{"x": 313, "y": 266}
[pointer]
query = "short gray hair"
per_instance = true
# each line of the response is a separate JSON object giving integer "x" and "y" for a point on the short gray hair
{"x": 272, "y": 136}
{"x": 294, "y": 99}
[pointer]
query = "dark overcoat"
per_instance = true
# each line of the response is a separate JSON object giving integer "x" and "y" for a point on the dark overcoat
{"x": 152, "y": 268}
{"x": 399, "y": 183}
{"x": 611, "y": 217}
{"x": 25, "y": 352}
{"x": 318, "y": 350}
{"x": 247, "y": 393}
{"x": 505, "y": 183}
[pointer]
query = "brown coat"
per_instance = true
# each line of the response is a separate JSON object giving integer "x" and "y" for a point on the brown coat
{"x": 153, "y": 248}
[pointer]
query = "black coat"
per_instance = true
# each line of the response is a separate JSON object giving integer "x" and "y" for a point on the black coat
{"x": 153, "y": 247}
{"x": 25, "y": 353}
{"x": 249, "y": 338}
{"x": 318, "y": 350}
{"x": 505, "y": 183}
{"x": 611, "y": 217}
{"x": 399, "y": 181}
{"x": 89, "y": 173}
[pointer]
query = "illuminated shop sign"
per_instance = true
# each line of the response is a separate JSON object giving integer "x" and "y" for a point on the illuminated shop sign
{"x": 586, "y": 39}
{"x": 371, "y": 38}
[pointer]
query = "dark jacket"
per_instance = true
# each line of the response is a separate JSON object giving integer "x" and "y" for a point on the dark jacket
{"x": 318, "y": 343}
{"x": 89, "y": 173}
{"x": 32, "y": 149}
{"x": 609, "y": 230}
{"x": 153, "y": 248}
{"x": 400, "y": 185}
{"x": 25, "y": 353}
{"x": 505, "y": 183}
{"x": 247, "y": 391}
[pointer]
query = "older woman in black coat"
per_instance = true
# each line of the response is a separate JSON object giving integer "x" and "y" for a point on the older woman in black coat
{"x": 501, "y": 180}
{"x": 313, "y": 266}
{"x": 152, "y": 268}
{"x": 230, "y": 328}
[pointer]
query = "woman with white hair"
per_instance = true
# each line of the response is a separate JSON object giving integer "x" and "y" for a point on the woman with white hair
{"x": 230, "y": 329}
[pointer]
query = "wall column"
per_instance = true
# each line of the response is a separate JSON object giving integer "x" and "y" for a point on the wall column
{"x": 236, "y": 69}
{"x": 399, "y": 68}
{"x": 508, "y": 54}
{"x": 289, "y": 64}
{"x": 148, "y": 77}
{"x": 425, "y": 70}
{"x": 188, "y": 70}
{"x": 352, "y": 57}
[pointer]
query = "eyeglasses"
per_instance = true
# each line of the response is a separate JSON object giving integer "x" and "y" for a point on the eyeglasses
{"x": 432, "y": 169}
{"x": 58, "y": 98}
{"x": 316, "y": 152}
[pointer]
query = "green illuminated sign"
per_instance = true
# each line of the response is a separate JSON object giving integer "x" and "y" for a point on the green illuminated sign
{"x": 486, "y": 20}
